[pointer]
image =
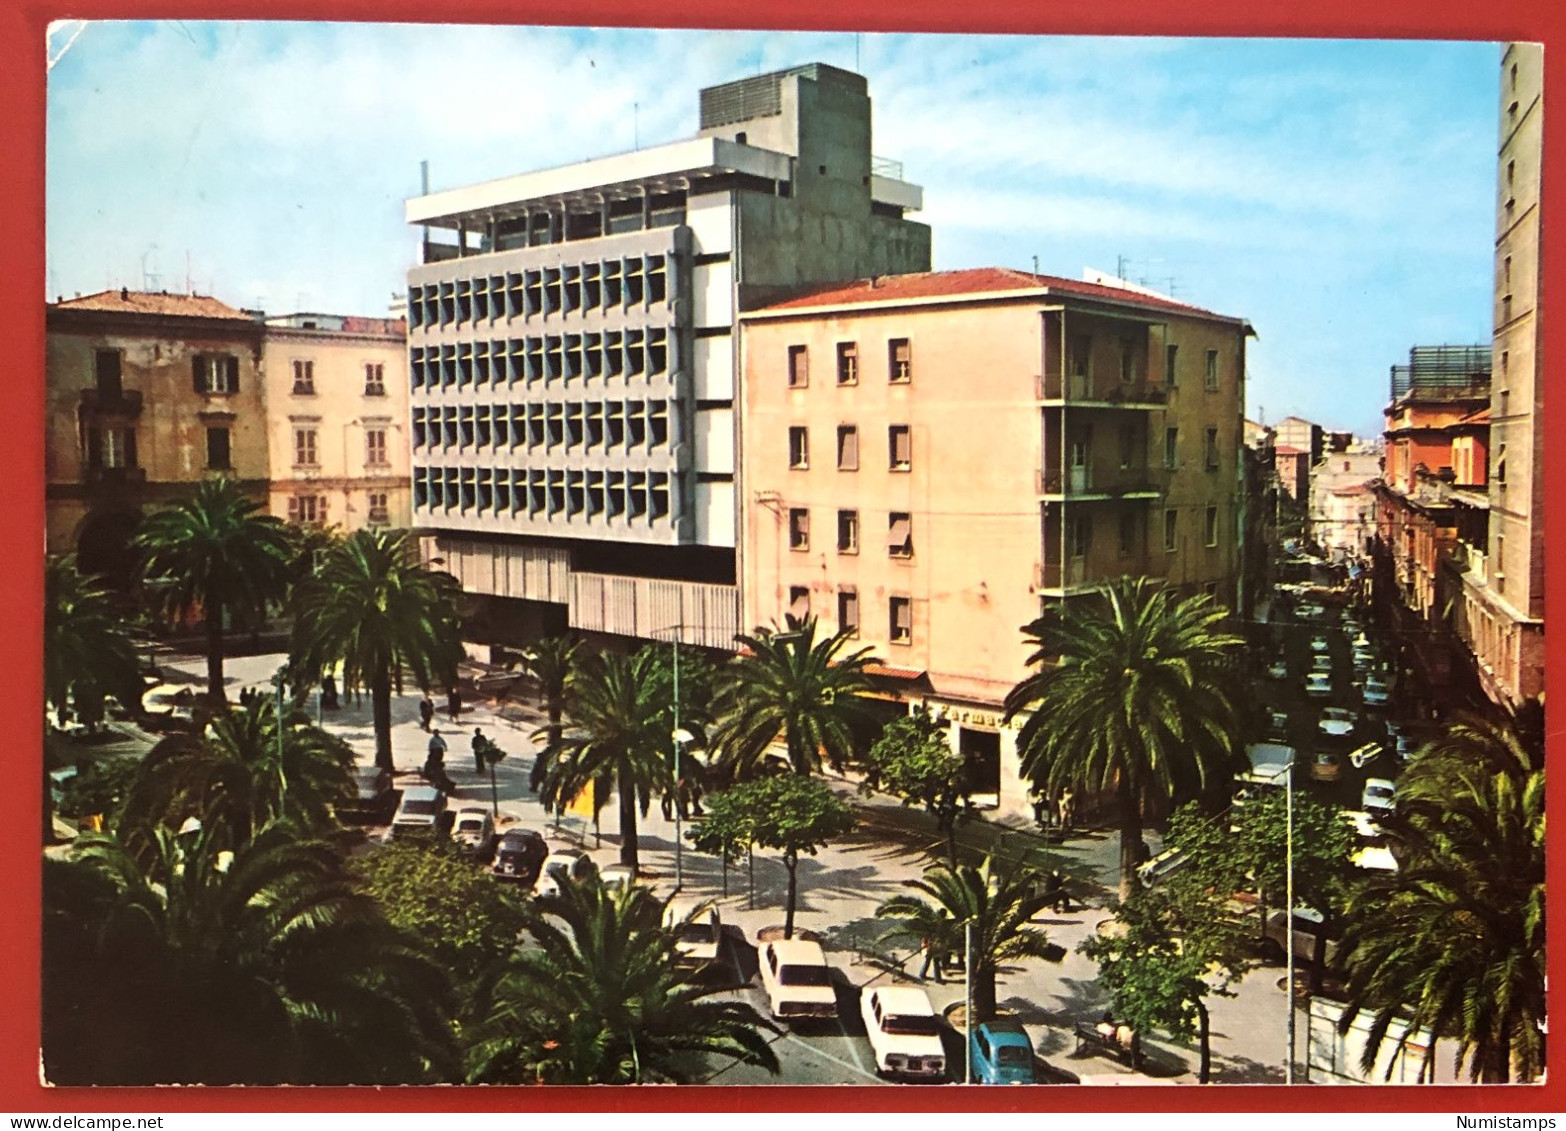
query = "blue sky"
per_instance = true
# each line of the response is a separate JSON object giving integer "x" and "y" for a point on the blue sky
{"x": 1340, "y": 195}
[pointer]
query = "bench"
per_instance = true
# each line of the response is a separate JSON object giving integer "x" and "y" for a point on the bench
{"x": 1129, "y": 1051}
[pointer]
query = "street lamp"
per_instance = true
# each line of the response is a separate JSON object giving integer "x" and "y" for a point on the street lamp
{"x": 679, "y": 736}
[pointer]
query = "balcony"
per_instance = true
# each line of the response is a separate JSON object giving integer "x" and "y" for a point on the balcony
{"x": 126, "y": 476}
{"x": 1083, "y": 392}
{"x": 121, "y": 402}
{"x": 1082, "y": 484}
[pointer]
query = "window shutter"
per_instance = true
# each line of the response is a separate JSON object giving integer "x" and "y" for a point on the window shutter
{"x": 198, "y": 373}
{"x": 231, "y": 365}
{"x": 94, "y": 448}
{"x": 130, "y": 448}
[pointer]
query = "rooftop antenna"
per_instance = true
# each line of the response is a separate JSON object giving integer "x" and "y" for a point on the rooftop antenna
{"x": 424, "y": 190}
{"x": 189, "y": 288}
{"x": 1120, "y": 267}
{"x": 149, "y": 279}
{"x": 636, "y": 125}
{"x": 1035, "y": 265}
{"x": 856, "y": 50}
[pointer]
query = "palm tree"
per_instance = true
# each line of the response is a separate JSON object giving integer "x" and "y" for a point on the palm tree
{"x": 200, "y": 964}
{"x": 88, "y": 655}
{"x": 1133, "y": 696}
{"x": 214, "y": 553}
{"x": 789, "y": 683}
{"x": 1453, "y": 944}
{"x": 241, "y": 773}
{"x": 599, "y": 1001}
{"x": 550, "y": 662}
{"x": 621, "y": 727}
{"x": 371, "y": 607}
{"x": 999, "y": 901}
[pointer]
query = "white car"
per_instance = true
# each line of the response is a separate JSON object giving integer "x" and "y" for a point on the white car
{"x": 798, "y": 982}
{"x": 698, "y": 933}
{"x": 559, "y": 866}
{"x": 1310, "y": 612}
{"x": 1336, "y": 722}
{"x": 474, "y": 828}
{"x": 1318, "y": 685}
{"x": 904, "y": 1032}
{"x": 420, "y": 810}
{"x": 1318, "y": 644}
{"x": 1380, "y": 796}
{"x": 1321, "y": 663}
{"x": 1376, "y": 692}
{"x": 1279, "y": 670}
{"x": 617, "y": 876}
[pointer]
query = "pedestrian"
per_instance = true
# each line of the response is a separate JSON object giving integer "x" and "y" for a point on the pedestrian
{"x": 1068, "y": 809}
{"x": 426, "y": 712}
{"x": 437, "y": 755}
{"x": 933, "y": 960}
{"x": 480, "y": 745}
{"x": 328, "y": 692}
{"x": 454, "y": 703}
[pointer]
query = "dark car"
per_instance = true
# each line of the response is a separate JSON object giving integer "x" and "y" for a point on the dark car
{"x": 372, "y": 798}
{"x": 519, "y": 856}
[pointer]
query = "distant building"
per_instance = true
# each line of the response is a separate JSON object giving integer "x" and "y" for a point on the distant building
{"x": 922, "y": 477}
{"x": 573, "y": 354}
{"x": 1301, "y": 435}
{"x": 337, "y": 420}
{"x": 1342, "y": 502}
{"x": 146, "y": 395}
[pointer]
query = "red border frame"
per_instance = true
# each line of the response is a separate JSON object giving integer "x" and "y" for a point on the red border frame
{"x": 22, "y": 90}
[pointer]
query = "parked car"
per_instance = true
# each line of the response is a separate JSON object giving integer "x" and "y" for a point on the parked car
{"x": 373, "y": 795}
{"x": 617, "y": 875}
{"x": 519, "y": 856}
{"x": 1379, "y": 797}
{"x": 1321, "y": 663}
{"x": 698, "y": 933}
{"x": 474, "y": 830}
{"x": 1319, "y": 644}
{"x": 1310, "y": 612}
{"x": 1278, "y": 670}
{"x": 1002, "y": 1053}
{"x": 1376, "y": 693}
{"x": 1336, "y": 722}
{"x": 560, "y": 866}
{"x": 1318, "y": 685}
{"x": 1278, "y": 725}
{"x": 797, "y": 981}
{"x": 905, "y": 1034}
{"x": 420, "y": 811}
{"x": 1166, "y": 863}
{"x": 1326, "y": 766}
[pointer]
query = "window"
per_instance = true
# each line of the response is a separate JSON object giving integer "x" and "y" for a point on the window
{"x": 1171, "y": 448}
{"x": 798, "y": 367}
{"x": 304, "y": 447}
{"x": 375, "y": 447}
{"x": 111, "y": 447}
{"x": 1212, "y": 526}
{"x": 1127, "y": 361}
{"x": 798, "y": 601}
{"x": 1212, "y": 449}
{"x": 798, "y": 447}
{"x": 848, "y": 611}
{"x": 847, "y": 363}
{"x": 848, "y": 532}
{"x": 1499, "y": 474}
{"x": 1127, "y": 534}
{"x": 900, "y": 626}
{"x": 1081, "y": 355}
{"x": 847, "y": 447}
{"x": 304, "y": 378}
{"x": 899, "y": 536}
{"x": 900, "y": 443}
{"x": 1212, "y": 369}
{"x": 217, "y": 448}
{"x": 798, "y": 528}
{"x": 380, "y": 511}
{"x": 307, "y": 509}
{"x": 1171, "y": 357}
{"x": 216, "y": 373}
{"x": 106, "y": 373}
{"x": 899, "y": 361}
{"x": 1127, "y": 445}
{"x": 1081, "y": 535}
{"x": 374, "y": 379}
{"x": 1171, "y": 517}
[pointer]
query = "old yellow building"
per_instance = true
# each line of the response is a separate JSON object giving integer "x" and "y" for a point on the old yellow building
{"x": 337, "y": 420}
{"x": 930, "y": 459}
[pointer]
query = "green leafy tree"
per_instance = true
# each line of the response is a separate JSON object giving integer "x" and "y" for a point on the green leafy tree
{"x": 1133, "y": 696}
{"x": 999, "y": 899}
{"x": 240, "y": 774}
{"x": 913, "y": 760}
{"x": 551, "y": 662}
{"x": 814, "y": 693}
{"x": 793, "y": 815}
{"x": 1171, "y": 949}
{"x": 371, "y": 607}
{"x": 88, "y": 655}
{"x": 99, "y": 788}
{"x": 200, "y": 964}
{"x": 620, "y": 727}
{"x": 597, "y": 1000}
{"x": 435, "y": 891}
{"x": 1453, "y": 943}
{"x": 214, "y": 553}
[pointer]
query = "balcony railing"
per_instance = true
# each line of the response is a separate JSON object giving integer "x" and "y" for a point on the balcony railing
{"x": 1081, "y": 482}
{"x": 123, "y": 402}
{"x": 1077, "y": 389}
{"x": 126, "y": 475}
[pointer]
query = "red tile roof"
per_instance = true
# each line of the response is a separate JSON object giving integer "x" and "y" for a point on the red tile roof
{"x": 972, "y": 281}
{"x": 886, "y": 671}
{"x": 1480, "y": 416}
{"x": 1286, "y": 450}
{"x": 160, "y": 303}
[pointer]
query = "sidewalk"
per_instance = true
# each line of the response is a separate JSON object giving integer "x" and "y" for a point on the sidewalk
{"x": 840, "y": 888}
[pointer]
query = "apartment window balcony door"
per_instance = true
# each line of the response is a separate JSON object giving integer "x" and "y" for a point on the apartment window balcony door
{"x": 1079, "y": 477}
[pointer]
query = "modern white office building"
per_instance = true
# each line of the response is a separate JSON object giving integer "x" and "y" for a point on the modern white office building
{"x": 573, "y": 354}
